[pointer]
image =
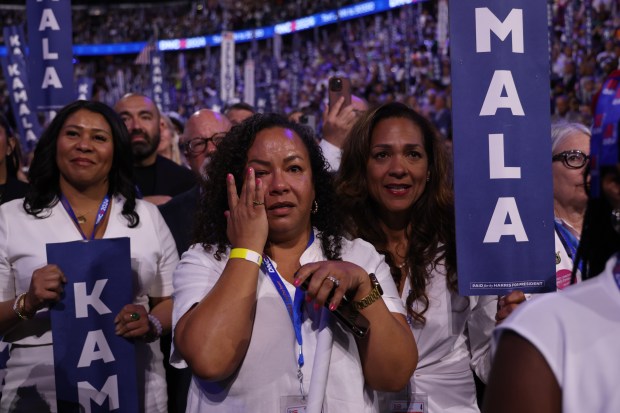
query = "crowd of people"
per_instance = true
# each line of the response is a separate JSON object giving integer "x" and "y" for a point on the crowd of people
{"x": 279, "y": 264}
{"x": 386, "y": 56}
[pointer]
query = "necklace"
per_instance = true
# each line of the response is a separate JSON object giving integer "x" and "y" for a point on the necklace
{"x": 401, "y": 266}
{"x": 81, "y": 219}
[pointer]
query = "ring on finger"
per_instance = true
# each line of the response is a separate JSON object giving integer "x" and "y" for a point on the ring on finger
{"x": 257, "y": 203}
{"x": 134, "y": 316}
{"x": 334, "y": 280}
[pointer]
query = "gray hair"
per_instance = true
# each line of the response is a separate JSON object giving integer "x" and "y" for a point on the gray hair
{"x": 562, "y": 130}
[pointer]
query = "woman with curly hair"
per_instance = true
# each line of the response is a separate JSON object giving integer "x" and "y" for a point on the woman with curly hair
{"x": 82, "y": 189}
{"x": 395, "y": 183}
{"x": 241, "y": 321}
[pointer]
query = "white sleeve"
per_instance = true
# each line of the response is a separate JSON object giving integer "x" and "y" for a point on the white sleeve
{"x": 480, "y": 328}
{"x": 168, "y": 255}
{"x": 332, "y": 154}
{"x": 194, "y": 277}
{"x": 7, "y": 282}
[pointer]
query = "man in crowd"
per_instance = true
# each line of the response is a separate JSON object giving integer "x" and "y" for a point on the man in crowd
{"x": 158, "y": 179}
{"x": 239, "y": 112}
{"x": 203, "y": 130}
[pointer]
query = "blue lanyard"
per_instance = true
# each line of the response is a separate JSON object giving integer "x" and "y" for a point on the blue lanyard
{"x": 617, "y": 270}
{"x": 570, "y": 242}
{"x": 103, "y": 208}
{"x": 294, "y": 307}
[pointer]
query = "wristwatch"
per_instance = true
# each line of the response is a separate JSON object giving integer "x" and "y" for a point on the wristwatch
{"x": 373, "y": 296}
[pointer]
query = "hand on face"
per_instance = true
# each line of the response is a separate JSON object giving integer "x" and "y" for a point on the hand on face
{"x": 246, "y": 219}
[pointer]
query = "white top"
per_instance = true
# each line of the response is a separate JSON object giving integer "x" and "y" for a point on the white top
{"x": 454, "y": 341}
{"x": 577, "y": 332}
{"x": 332, "y": 154}
{"x": 22, "y": 250}
{"x": 269, "y": 369}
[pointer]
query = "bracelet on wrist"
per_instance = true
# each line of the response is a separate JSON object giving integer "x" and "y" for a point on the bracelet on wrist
{"x": 247, "y": 254}
{"x": 19, "y": 306}
{"x": 155, "y": 330}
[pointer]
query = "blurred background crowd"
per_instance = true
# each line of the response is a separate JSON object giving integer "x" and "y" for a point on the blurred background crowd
{"x": 391, "y": 56}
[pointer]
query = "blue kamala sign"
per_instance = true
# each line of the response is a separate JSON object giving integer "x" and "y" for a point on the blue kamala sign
{"x": 502, "y": 146}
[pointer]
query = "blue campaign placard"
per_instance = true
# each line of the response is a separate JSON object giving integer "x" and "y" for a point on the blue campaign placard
{"x": 16, "y": 76}
{"x": 50, "y": 39}
{"x": 94, "y": 368}
{"x": 502, "y": 146}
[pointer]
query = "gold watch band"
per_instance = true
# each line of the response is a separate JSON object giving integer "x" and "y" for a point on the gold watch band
{"x": 373, "y": 296}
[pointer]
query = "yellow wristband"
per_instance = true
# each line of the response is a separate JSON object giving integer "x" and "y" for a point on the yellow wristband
{"x": 247, "y": 254}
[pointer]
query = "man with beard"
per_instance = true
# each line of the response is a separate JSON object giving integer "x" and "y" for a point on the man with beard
{"x": 158, "y": 179}
{"x": 203, "y": 130}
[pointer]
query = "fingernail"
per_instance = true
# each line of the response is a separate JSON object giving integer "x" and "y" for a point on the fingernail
{"x": 250, "y": 171}
{"x": 308, "y": 298}
{"x": 332, "y": 307}
{"x": 316, "y": 306}
{"x": 297, "y": 281}
{"x": 229, "y": 177}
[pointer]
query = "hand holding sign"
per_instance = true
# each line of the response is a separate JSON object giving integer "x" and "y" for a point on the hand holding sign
{"x": 132, "y": 321}
{"x": 46, "y": 287}
{"x": 507, "y": 304}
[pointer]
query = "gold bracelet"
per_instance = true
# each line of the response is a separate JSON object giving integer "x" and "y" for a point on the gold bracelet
{"x": 19, "y": 306}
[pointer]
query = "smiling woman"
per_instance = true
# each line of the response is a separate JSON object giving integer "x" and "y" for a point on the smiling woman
{"x": 81, "y": 176}
{"x": 394, "y": 182}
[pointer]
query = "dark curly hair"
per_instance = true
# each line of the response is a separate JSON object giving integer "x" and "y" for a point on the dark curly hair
{"x": 12, "y": 160}
{"x": 231, "y": 157}
{"x": 431, "y": 219}
{"x": 44, "y": 174}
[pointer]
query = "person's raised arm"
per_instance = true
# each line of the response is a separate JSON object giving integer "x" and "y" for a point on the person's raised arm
{"x": 214, "y": 334}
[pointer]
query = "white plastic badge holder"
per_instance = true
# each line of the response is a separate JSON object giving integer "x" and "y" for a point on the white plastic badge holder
{"x": 415, "y": 403}
{"x": 293, "y": 404}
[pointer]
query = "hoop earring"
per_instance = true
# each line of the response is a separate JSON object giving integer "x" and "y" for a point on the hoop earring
{"x": 315, "y": 207}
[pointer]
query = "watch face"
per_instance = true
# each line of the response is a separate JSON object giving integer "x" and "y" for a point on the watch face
{"x": 375, "y": 282}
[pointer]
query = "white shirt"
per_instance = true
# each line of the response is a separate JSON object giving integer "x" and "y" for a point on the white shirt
{"x": 454, "y": 341}
{"x": 22, "y": 250}
{"x": 577, "y": 332}
{"x": 269, "y": 369}
{"x": 332, "y": 154}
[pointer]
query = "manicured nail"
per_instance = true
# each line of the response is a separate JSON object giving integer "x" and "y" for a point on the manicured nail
{"x": 250, "y": 171}
{"x": 297, "y": 281}
{"x": 316, "y": 306}
{"x": 308, "y": 298}
{"x": 332, "y": 307}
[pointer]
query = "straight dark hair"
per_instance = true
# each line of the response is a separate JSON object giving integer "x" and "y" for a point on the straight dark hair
{"x": 44, "y": 174}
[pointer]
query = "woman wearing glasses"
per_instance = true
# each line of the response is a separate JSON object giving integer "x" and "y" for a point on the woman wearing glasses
{"x": 570, "y": 145}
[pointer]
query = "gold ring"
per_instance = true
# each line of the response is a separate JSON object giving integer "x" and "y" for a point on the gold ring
{"x": 257, "y": 203}
{"x": 134, "y": 316}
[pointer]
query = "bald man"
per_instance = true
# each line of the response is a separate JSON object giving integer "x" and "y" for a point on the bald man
{"x": 203, "y": 130}
{"x": 158, "y": 179}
